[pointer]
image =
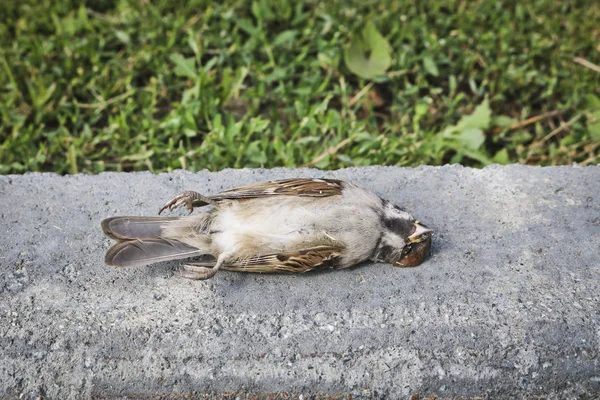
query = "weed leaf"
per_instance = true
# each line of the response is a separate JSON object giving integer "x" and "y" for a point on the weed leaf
{"x": 368, "y": 55}
{"x": 184, "y": 66}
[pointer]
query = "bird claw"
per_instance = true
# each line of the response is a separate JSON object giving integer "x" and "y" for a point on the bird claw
{"x": 191, "y": 275}
{"x": 186, "y": 198}
{"x": 197, "y": 272}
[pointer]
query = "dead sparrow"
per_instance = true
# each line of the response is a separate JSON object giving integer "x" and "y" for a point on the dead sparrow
{"x": 290, "y": 225}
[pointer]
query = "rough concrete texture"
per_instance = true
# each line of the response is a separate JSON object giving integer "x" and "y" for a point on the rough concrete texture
{"x": 508, "y": 305}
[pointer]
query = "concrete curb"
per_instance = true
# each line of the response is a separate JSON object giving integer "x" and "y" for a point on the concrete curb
{"x": 508, "y": 306}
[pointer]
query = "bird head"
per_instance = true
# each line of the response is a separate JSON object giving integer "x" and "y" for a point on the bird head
{"x": 405, "y": 242}
{"x": 417, "y": 246}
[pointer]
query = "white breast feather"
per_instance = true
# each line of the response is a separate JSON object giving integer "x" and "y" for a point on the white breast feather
{"x": 288, "y": 223}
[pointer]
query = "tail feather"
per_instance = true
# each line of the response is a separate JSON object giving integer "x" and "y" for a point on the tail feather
{"x": 124, "y": 228}
{"x": 135, "y": 253}
{"x": 147, "y": 240}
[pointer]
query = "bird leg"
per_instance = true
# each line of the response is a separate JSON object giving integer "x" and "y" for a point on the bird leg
{"x": 188, "y": 198}
{"x": 203, "y": 270}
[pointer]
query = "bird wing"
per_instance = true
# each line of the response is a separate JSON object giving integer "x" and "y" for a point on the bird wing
{"x": 303, "y": 260}
{"x": 287, "y": 187}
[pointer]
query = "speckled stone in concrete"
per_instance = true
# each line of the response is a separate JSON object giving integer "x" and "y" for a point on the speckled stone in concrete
{"x": 508, "y": 306}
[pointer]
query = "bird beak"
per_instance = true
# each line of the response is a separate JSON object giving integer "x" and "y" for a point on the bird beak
{"x": 420, "y": 233}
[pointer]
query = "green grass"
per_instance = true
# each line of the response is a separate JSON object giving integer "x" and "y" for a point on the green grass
{"x": 140, "y": 85}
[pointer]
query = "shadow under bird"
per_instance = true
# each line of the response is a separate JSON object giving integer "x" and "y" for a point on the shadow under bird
{"x": 290, "y": 225}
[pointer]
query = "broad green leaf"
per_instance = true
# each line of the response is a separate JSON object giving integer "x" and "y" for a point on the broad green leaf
{"x": 256, "y": 10}
{"x": 479, "y": 156}
{"x": 284, "y": 37}
{"x": 469, "y": 130}
{"x": 210, "y": 64}
{"x": 430, "y": 66}
{"x": 232, "y": 84}
{"x": 480, "y": 119}
{"x": 184, "y": 66}
{"x": 189, "y": 124}
{"x": 502, "y": 121}
{"x": 45, "y": 94}
{"x": 258, "y": 124}
{"x": 123, "y": 37}
{"x": 343, "y": 157}
{"x": 256, "y": 154}
{"x": 471, "y": 138}
{"x": 368, "y": 55}
{"x": 501, "y": 157}
{"x": 246, "y": 26}
{"x": 592, "y": 102}
{"x": 139, "y": 156}
{"x": 194, "y": 44}
{"x": 452, "y": 83}
{"x": 594, "y": 127}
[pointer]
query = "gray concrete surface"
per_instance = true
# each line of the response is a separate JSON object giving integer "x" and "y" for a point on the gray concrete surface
{"x": 508, "y": 306}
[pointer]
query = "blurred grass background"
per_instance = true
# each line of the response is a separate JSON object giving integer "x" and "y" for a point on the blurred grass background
{"x": 157, "y": 85}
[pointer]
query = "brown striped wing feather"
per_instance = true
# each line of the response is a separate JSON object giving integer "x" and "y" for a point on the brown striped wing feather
{"x": 286, "y": 187}
{"x": 304, "y": 260}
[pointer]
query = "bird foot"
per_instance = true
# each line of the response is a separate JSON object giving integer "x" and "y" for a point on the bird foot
{"x": 187, "y": 198}
{"x": 198, "y": 271}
